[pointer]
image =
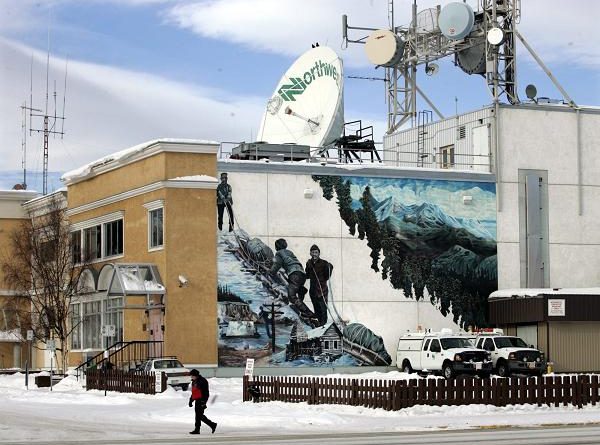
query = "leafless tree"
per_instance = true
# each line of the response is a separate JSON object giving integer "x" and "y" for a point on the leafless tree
{"x": 39, "y": 267}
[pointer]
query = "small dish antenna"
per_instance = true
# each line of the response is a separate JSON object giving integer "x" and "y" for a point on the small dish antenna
{"x": 531, "y": 92}
{"x": 431, "y": 69}
{"x": 456, "y": 20}
{"x": 307, "y": 106}
{"x": 495, "y": 36}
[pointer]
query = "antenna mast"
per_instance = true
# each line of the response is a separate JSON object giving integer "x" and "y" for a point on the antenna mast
{"x": 49, "y": 120}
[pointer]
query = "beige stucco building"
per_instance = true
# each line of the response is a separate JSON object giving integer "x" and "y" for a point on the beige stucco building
{"x": 13, "y": 351}
{"x": 143, "y": 223}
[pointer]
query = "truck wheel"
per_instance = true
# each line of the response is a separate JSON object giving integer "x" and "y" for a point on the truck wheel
{"x": 503, "y": 370}
{"x": 406, "y": 367}
{"x": 448, "y": 371}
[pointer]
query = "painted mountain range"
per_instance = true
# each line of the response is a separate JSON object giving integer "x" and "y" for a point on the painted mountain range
{"x": 420, "y": 248}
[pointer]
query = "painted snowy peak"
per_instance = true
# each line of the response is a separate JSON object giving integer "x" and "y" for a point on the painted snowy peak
{"x": 424, "y": 216}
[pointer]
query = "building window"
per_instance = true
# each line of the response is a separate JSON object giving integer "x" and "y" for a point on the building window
{"x": 155, "y": 228}
{"x": 461, "y": 132}
{"x": 447, "y": 156}
{"x": 76, "y": 326}
{"x": 87, "y": 319}
{"x": 99, "y": 238}
{"x": 76, "y": 246}
{"x": 91, "y": 325}
{"x": 113, "y": 238}
{"x": 92, "y": 238}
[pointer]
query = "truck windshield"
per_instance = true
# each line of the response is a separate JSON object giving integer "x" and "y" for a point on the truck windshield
{"x": 450, "y": 343}
{"x": 510, "y": 342}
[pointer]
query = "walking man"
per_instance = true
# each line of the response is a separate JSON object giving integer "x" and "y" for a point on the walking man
{"x": 318, "y": 271}
{"x": 198, "y": 399}
{"x": 224, "y": 200}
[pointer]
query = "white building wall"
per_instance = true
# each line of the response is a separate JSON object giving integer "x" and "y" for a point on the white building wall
{"x": 273, "y": 205}
{"x": 546, "y": 138}
{"x": 471, "y": 146}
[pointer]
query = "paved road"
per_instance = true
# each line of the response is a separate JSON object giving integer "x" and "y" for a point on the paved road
{"x": 571, "y": 435}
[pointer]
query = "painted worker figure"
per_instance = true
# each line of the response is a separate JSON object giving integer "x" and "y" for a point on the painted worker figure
{"x": 198, "y": 400}
{"x": 296, "y": 277}
{"x": 224, "y": 200}
{"x": 285, "y": 258}
{"x": 318, "y": 271}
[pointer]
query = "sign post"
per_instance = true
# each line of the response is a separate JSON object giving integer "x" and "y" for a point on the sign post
{"x": 51, "y": 346}
{"x": 28, "y": 359}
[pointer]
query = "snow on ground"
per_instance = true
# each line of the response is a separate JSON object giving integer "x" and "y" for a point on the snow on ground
{"x": 69, "y": 412}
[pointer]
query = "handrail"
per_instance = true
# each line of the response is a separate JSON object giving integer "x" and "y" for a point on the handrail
{"x": 149, "y": 348}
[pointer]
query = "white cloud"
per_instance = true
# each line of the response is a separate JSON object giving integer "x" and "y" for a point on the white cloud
{"x": 108, "y": 109}
{"x": 280, "y": 26}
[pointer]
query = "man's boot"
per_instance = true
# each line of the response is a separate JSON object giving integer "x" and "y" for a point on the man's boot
{"x": 213, "y": 427}
{"x": 196, "y": 431}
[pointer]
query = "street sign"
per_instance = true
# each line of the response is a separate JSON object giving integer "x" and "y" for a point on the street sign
{"x": 29, "y": 335}
{"x": 108, "y": 330}
{"x": 51, "y": 345}
{"x": 249, "y": 371}
{"x": 158, "y": 382}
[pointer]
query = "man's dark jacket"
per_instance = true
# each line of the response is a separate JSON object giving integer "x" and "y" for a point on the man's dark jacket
{"x": 318, "y": 272}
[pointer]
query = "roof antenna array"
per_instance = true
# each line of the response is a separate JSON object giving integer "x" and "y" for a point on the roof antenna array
{"x": 482, "y": 42}
{"x": 49, "y": 120}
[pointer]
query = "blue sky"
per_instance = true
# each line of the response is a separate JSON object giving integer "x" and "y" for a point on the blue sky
{"x": 146, "y": 69}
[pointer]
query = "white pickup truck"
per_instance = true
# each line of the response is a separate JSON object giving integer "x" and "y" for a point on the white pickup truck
{"x": 511, "y": 354}
{"x": 443, "y": 352}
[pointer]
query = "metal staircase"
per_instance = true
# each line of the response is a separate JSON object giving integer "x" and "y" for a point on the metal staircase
{"x": 123, "y": 355}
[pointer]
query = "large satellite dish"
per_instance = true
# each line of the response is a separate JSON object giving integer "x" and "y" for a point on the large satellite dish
{"x": 307, "y": 107}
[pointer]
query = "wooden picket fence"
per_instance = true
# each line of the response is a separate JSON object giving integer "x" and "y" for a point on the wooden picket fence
{"x": 123, "y": 381}
{"x": 393, "y": 395}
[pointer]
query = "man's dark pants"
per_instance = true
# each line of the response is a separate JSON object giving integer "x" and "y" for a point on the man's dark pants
{"x": 199, "y": 407}
{"x": 221, "y": 209}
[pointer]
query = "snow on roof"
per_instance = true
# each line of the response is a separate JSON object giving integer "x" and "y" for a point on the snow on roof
{"x": 352, "y": 166}
{"x": 85, "y": 170}
{"x": 196, "y": 178}
{"x": 318, "y": 332}
{"x": 522, "y": 293}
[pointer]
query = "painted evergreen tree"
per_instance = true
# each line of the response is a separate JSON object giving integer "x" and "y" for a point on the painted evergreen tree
{"x": 459, "y": 287}
{"x": 369, "y": 226}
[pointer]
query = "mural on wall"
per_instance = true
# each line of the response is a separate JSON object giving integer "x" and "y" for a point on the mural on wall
{"x": 262, "y": 305}
{"x": 275, "y": 305}
{"x": 425, "y": 235}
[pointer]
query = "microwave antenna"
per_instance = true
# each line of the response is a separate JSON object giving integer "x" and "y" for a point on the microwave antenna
{"x": 482, "y": 42}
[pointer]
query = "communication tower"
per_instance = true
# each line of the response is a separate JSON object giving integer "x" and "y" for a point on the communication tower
{"x": 482, "y": 42}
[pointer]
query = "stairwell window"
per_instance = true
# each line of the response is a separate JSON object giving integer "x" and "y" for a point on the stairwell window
{"x": 156, "y": 214}
{"x": 156, "y": 228}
